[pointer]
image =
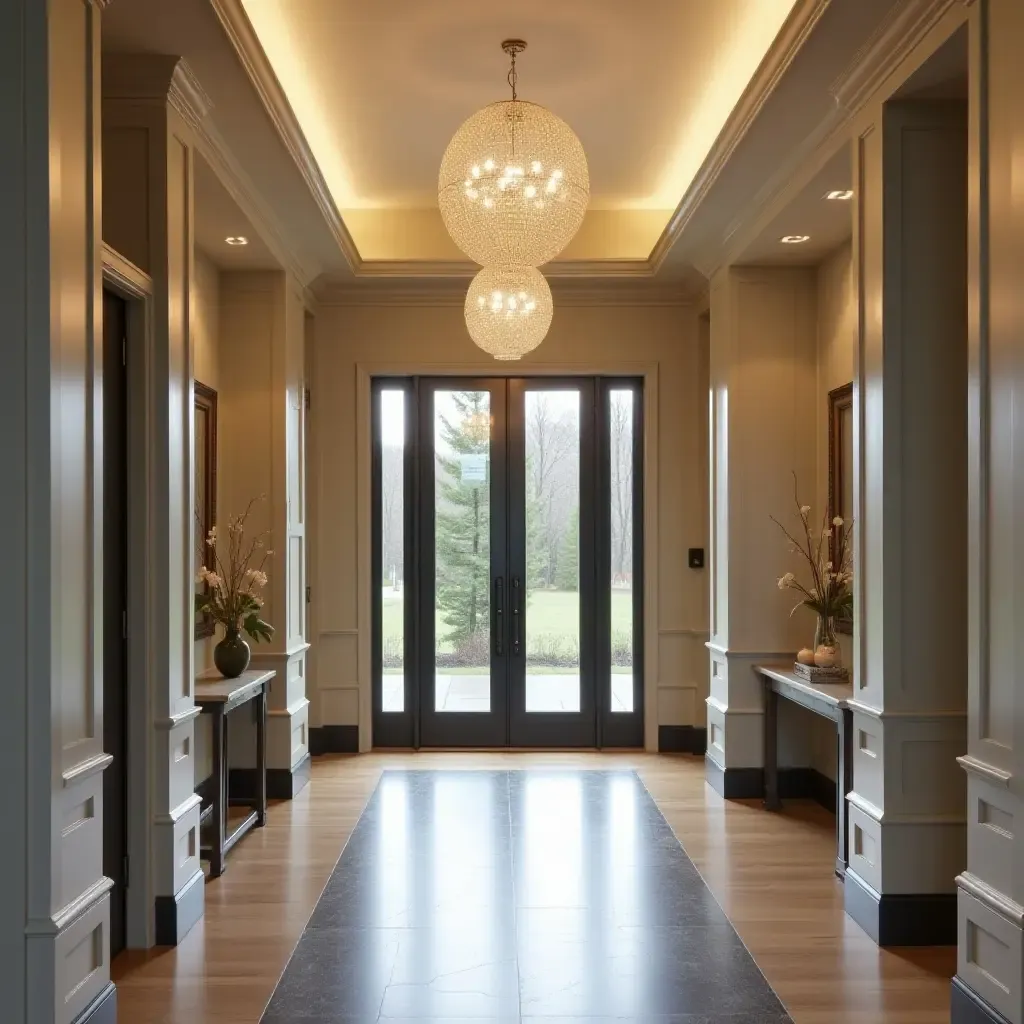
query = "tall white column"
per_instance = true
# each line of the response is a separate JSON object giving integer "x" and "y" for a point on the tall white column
{"x": 763, "y": 407}
{"x": 54, "y": 917}
{"x": 149, "y": 103}
{"x": 261, "y": 410}
{"x": 907, "y": 834}
{"x": 989, "y": 985}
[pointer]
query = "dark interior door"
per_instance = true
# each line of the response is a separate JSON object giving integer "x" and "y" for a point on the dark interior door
{"x": 115, "y": 667}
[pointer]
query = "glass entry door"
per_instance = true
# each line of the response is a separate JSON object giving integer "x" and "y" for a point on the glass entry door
{"x": 506, "y": 609}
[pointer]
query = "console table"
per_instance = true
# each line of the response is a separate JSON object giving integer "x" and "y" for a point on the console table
{"x": 831, "y": 701}
{"x": 216, "y": 697}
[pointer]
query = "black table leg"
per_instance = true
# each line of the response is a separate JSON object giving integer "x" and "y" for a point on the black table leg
{"x": 220, "y": 801}
{"x": 844, "y": 783}
{"x": 261, "y": 758}
{"x": 771, "y": 749}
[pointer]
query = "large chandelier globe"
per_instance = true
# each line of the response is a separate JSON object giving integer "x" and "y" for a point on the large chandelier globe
{"x": 508, "y": 311}
{"x": 514, "y": 184}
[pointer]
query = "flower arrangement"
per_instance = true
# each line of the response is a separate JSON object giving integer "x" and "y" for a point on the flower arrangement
{"x": 232, "y": 596}
{"x": 829, "y": 594}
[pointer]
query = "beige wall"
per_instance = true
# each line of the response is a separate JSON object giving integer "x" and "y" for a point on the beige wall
{"x": 354, "y": 341}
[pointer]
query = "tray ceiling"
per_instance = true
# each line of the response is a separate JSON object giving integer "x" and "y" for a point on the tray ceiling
{"x": 379, "y": 89}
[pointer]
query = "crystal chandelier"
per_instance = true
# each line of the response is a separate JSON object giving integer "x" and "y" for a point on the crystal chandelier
{"x": 508, "y": 310}
{"x": 514, "y": 185}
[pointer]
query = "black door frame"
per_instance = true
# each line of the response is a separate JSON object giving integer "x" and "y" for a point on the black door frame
{"x": 115, "y": 611}
{"x": 596, "y": 725}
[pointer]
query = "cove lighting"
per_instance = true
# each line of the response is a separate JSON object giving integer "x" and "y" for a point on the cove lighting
{"x": 794, "y": 239}
{"x": 237, "y": 240}
{"x": 841, "y": 194}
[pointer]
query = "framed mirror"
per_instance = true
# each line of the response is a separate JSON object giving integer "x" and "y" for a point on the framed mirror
{"x": 840, "y": 466}
{"x": 204, "y": 486}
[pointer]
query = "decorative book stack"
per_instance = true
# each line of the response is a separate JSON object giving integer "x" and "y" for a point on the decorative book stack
{"x": 816, "y": 674}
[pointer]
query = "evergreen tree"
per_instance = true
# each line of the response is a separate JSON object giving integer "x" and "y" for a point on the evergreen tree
{"x": 538, "y": 568}
{"x": 463, "y": 522}
{"x": 567, "y": 576}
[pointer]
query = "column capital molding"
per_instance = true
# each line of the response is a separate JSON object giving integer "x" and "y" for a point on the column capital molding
{"x": 156, "y": 78}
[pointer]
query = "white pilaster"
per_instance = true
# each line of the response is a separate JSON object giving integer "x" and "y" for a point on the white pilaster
{"x": 907, "y": 806}
{"x": 262, "y": 438}
{"x": 57, "y": 903}
{"x": 149, "y": 106}
{"x": 763, "y": 361}
{"x": 990, "y": 961}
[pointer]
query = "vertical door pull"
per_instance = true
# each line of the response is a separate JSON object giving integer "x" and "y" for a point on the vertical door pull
{"x": 499, "y": 615}
{"x": 516, "y": 615}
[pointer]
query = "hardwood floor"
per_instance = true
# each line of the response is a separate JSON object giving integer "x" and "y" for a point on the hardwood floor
{"x": 771, "y": 873}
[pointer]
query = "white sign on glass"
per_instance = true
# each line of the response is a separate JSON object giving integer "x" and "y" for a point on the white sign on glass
{"x": 474, "y": 468}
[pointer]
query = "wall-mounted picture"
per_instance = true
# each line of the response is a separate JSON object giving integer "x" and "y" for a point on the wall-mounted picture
{"x": 840, "y": 465}
{"x": 205, "y": 488}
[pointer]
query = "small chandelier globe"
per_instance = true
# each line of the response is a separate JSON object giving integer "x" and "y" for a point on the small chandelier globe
{"x": 514, "y": 183}
{"x": 508, "y": 311}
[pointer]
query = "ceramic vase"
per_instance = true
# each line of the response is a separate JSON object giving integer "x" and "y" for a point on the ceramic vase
{"x": 231, "y": 655}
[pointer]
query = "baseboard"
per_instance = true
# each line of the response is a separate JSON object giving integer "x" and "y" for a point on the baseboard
{"x": 282, "y": 783}
{"x": 102, "y": 1010}
{"x": 176, "y": 915}
{"x": 748, "y": 784}
{"x": 901, "y": 919}
{"x": 682, "y": 739}
{"x": 334, "y": 739}
{"x": 967, "y": 1007}
{"x": 734, "y": 783}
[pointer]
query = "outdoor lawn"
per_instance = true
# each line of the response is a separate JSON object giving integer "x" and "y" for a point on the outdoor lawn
{"x": 548, "y": 612}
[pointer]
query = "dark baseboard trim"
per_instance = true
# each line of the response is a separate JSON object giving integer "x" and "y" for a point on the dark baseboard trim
{"x": 748, "y": 784}
{"x": 682, "y": 739}
{"x": 176, "y": 915}
{"x": 901, "y": 919}
{"x": 967, "y": 1007}
{"x": 734, "y": 783}
{"x": 334, "y": 739}
{"x": 102, "y": 1010}
{"x": 282, "y": 783}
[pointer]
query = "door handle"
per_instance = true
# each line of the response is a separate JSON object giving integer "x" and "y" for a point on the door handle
{"x": 499, "y": 615}
{"x": 516, "y": 615}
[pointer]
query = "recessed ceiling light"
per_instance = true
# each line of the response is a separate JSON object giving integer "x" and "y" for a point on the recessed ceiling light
{"x": 237, "y": 240}
{"x": 842, "y": 194}
{"x": 794, "y": 239}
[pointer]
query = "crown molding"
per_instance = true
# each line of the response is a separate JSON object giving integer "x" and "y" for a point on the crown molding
{"x": 465, "y": 269}
{"x": 901, "y": 30}
{"x": 451, "y": 292}
{"x": 242, "y": 37}
{"x": 187, "y": 96}
{"x": 791, "y": 38}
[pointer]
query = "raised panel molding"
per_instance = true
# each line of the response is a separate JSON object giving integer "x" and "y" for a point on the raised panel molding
{"x": 989, "y": 952}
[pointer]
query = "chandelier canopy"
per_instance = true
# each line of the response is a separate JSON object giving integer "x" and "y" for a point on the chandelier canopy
{"x": 508, "y": 311}
{"x": 514, "y": 184}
